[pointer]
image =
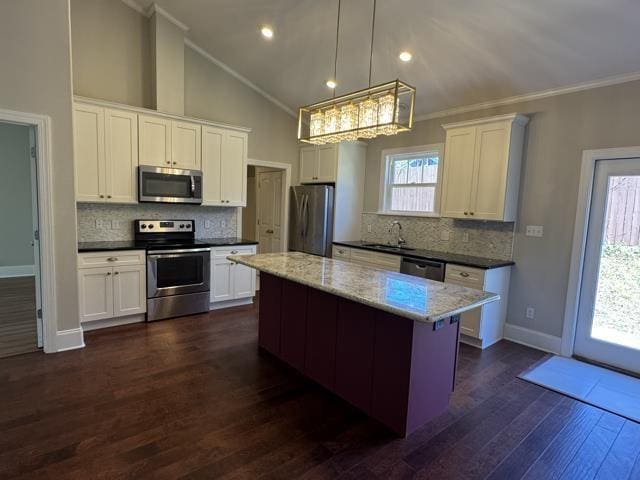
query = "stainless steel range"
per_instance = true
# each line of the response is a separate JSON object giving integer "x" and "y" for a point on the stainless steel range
{"x": 178, "y": 268}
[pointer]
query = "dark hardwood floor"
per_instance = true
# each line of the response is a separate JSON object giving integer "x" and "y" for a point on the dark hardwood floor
{"x": 18, "y": 327}
{"x": 192, "y": 398}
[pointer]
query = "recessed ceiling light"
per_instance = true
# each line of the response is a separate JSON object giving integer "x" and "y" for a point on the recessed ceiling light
{"x": 267, "y": 31}
{"x": 405, "y": 56}
{"x": 331, "y": 84}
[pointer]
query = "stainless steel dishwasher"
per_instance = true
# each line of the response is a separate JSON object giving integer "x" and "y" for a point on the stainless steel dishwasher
{"x": 423, "y": 268}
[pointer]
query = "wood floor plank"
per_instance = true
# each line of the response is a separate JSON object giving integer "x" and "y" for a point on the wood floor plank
{"x": 193, "y": 398}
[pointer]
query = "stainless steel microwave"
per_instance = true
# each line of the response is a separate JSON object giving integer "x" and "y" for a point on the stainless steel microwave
{"x": 169, "y": 185}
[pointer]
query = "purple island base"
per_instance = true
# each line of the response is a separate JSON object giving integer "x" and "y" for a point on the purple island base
{"x": 398, "y": 371}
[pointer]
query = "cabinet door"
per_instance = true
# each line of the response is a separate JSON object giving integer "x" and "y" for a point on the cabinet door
{"x": 186, "y": 147}
{"x": 269, "y": 313}
{"x": 244, "y": 281}
{"x": 121, "y": 153}
{"x": 88, "y": 136}
{"x": 212, "y": 139}
{"x": 354, "y": 353}
{"x": 95, "y": 293}
{"x": 458, "y": 172}
{"x": 233, "y": 171}
{"x": 222, "y": 284}
{"x": 308, "y": 164}
{"x": 129, "y": 290}
{"x": 327, "y": 163}
{"x": 293, "y": 324}
{"x": 490, "y": 171}
{"x": 320, "y": 354}
{"x": 154, "y": 141}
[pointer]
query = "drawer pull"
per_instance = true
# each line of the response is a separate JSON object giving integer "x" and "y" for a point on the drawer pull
{"x": 464, "y": 274}
{"x": 116, "y": 273}
{"x": 112, "y": 259}
{"x": 108, "y": 273}
{"x": 233, "y": 252}
{"x": 269, "y": 231}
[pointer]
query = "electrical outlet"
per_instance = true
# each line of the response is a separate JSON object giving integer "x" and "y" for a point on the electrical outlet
{"x": 368, "y": 228}
{"x": 534, "y": 230}
{"x": 444, "y": 235}
{"x": 116, "y": 224}
{"x": 207, "y": 224}
{"x": 465, "y": 237}
{"x": 100, "y": 224}
{"x": 531, "y": 313}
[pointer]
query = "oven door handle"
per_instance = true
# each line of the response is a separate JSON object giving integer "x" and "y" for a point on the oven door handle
{"x": 161, "y": 253}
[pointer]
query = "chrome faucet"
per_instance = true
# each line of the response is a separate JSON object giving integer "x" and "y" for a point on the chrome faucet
{"x": 400, "y": 242}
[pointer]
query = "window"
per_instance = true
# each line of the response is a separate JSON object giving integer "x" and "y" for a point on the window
{"x": 411, "y": 180}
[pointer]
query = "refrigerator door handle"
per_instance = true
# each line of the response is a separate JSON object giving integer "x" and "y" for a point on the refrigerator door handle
{"x": 305, "y": 215}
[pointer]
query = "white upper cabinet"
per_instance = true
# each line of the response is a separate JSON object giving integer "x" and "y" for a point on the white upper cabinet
{"x": 106, "y": 154}
{"x": 88, "y": 124}
{"x": 185, "y": 145}
{"x": 482, "y": 168}
{"x": 121, "y": 151}
{"x": 169, "y": 143}
{"x": 155, "y": 141}
{"x": 224, "y": 167}
{"x": 319, "y": 164}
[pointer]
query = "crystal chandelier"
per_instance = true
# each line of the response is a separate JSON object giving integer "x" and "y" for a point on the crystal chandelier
{"x": 385, "y": 109}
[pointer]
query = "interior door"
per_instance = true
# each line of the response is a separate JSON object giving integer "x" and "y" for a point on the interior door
{"x": 269, "y": 211}
{"x": 608, "y": 329}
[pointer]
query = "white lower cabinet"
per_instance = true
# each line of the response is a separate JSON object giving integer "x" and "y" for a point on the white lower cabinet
{"x": 231, "y": 281}
{"x": 111, "y": 285}
{"x": 482, "y": 326}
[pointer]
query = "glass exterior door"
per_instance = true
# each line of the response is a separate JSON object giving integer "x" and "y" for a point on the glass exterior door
{"x": 608, "y": 329}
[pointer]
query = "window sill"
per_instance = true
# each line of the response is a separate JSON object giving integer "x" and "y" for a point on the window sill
{"x": 405, "y": 214}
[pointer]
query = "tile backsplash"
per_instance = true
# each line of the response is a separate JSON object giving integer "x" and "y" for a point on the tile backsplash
{"x": 211, "y": 222}
{"x": 484, "y": 239}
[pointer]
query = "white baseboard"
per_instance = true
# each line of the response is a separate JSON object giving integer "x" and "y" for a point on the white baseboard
{"x": 17, "y": 271}
{"x": 231, "y": 303}
{"x": 69, "y": 339}
{"x": 112, "y": 322}
{"x": 475, "y": 342}
{"x": 532, "y": 338}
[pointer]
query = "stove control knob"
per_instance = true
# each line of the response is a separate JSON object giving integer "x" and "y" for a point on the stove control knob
{"x": 188, "y": 225}
{"x": 182, "y": 225}
{"x": 151, "y": 225}
{"x": 143, "y": 226}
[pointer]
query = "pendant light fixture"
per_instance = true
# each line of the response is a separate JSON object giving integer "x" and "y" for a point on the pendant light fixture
{"x": 385, "y": 109}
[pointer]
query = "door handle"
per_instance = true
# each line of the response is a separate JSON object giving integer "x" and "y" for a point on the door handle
{"x": 193, "y": 186}
{"x": 269, "y": 231}
{"x": 464, "y": 274}
{"x": 112, "y": 259}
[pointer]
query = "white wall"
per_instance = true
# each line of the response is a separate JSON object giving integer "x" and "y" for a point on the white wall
{"x": 15, "y": 196}
{"x": 561, "y": 127}
{"x": 36, "y": 78}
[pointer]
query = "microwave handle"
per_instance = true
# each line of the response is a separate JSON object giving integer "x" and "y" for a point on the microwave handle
{"x": 193, "y": 186}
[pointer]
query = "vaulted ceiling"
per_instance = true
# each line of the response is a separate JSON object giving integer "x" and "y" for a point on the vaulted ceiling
{"x": 464, "y": 51}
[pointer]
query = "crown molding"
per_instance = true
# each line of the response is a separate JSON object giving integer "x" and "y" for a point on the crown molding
{"x": 157, "y": 9}
{"x": 239, "y": 77}
{"x": 577, "y": 87}
{"x": 147, "y": 13}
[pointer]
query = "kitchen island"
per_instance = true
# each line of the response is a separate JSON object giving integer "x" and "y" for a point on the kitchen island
{"x": 384, "y": 341}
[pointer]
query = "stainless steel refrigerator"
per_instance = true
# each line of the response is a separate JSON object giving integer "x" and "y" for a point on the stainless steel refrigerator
{"x": 311, "y": 219}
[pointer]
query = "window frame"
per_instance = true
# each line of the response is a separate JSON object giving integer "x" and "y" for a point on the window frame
{"x": 385, "y": 175}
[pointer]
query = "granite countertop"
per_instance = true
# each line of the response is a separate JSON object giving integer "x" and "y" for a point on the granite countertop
{"x": 404, "y": 295}
{"x": 457, "y": 258}
{"x": 104, "y": 246}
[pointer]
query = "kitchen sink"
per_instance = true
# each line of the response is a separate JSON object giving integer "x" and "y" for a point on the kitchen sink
{"x": 381, "y": 246}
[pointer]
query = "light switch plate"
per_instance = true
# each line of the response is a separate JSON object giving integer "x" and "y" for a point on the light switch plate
{"x": 534, "y": 231}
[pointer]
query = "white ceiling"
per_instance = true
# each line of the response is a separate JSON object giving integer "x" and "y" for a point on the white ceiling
{"x": 464, "y": 51}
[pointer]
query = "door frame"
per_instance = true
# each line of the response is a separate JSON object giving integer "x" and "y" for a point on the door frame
{"x": 583, "y": 211}
{"x": 44, "y": 175}
{"x": 284, "y": 239}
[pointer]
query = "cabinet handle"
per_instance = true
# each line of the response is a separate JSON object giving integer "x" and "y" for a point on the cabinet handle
{"x": 112, "y": 259}
{"x": 101, "y": 196}
{"x": 116, "y": 273}
{"x": 269, "y": 231}
{"x": 168, "y": 162}
{"x": 464, "y": 274}
{"x": 108, "y": 273}
{"x": 233, "y": 252}
{"x": 466, "y": 213}
{"x": 470, "y": 213}
{"x": 108, "y": 196}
